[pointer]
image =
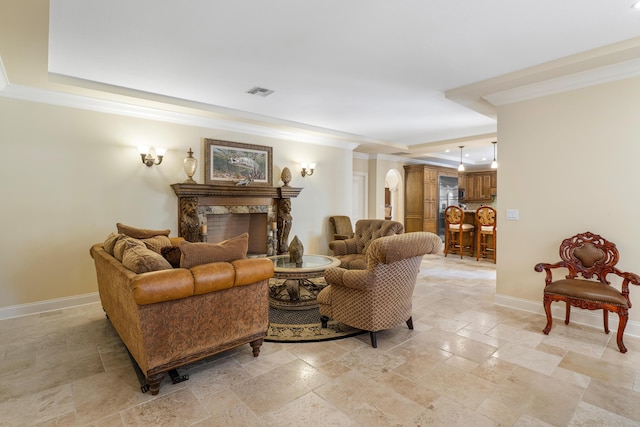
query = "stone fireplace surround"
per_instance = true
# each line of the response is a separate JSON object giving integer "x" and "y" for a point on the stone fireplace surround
{"x": 232, "y": 210}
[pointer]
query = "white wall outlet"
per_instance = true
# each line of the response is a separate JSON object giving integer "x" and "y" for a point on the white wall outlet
{"x": 512, "y": 215}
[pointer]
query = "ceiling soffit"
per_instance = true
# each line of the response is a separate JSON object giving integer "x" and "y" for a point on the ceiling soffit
{"x": 609, "y": 63}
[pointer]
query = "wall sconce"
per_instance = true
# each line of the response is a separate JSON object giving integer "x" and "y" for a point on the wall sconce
{"x": 307, "y": 169}
{"x": 147, "y": 157}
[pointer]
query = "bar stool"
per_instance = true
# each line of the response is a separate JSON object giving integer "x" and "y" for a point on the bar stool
{"x": 486, "y": 221}
{"x": 455, "y": 230}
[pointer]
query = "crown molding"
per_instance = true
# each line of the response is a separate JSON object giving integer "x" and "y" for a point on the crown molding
{"x": 605, "y": 64}
{"x": 625, "y": 70}
{"x": 45, "y": 96}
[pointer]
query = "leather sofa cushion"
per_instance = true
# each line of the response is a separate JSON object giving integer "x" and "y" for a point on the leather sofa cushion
{"x": 586, "y": 290}
{"x": 210, "y": 277}
{"x": 203, "y": 253}
{"x": 164, "y": 285}
{"x": 140, "y": 259}
{"x": 252, "y": 270}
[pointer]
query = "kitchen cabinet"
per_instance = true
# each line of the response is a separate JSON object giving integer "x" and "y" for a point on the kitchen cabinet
{"x": 480, "y": 186}
{"x": 421, "y": 197}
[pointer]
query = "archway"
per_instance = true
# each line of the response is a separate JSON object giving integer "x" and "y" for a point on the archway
{"x": 392, "y": 182}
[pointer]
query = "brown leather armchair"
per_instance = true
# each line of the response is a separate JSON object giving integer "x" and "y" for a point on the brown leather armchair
{"x": 590, "y": 256}
{"x": 351, "y": 252}
{"x": 343, "y": 229}
{"x": 379, "y": 297}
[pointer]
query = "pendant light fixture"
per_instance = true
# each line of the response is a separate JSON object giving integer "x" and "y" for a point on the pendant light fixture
{"x": 494, "y": 164}
{"x": 461, "y": 166}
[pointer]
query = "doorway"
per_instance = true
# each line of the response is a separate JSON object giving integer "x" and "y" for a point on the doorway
{"x": 391, "y": 204}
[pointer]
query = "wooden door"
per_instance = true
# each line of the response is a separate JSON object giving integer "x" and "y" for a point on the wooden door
{"x": 413, "y": 198}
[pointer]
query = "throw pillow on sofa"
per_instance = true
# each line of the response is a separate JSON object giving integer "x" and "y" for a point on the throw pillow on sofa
{"x": 203, "y": 253}
{"x": 123, "y": 244}
{"x": 110, "y": 242}
{"x": 153, "y": 239}
{"x": 172, "y": 254}
{"x": 156, "y": 243}
{"x": 140, "y": 233}
{"x": 140, "y": 259}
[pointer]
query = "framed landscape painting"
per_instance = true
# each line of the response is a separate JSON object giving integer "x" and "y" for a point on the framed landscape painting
{"x": 235, "y": 163}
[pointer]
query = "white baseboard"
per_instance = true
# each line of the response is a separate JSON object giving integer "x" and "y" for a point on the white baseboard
{"x": 583, "y": 317}
{"x": 48, "y": 305}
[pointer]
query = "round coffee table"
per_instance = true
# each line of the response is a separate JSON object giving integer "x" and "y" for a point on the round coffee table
{"x": 296, "y": 287}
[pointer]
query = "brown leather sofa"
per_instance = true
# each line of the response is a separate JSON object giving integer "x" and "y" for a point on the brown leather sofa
{"x": 352, "y": 252}
{"x": 173, "y": 317}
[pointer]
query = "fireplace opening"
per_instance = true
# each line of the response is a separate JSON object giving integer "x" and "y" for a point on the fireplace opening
{"x": 225, "y": 226}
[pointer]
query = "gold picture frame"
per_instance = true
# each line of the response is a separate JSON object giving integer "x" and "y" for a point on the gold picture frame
{"x": 236, "y": 163}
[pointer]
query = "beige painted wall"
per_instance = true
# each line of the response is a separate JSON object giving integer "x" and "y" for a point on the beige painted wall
{"x": 69, "y": 175}
{"x": 567, "y": 163}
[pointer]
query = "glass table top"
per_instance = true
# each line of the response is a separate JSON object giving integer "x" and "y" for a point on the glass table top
{"x": 311, "y": 262}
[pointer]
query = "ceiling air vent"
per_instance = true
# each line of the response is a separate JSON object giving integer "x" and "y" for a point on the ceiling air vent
{"x": 260, "y": 91}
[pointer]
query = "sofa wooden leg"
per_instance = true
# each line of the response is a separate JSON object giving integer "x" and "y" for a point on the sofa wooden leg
{"x": 255, "y": 345}
{"x": 154, "y": 382}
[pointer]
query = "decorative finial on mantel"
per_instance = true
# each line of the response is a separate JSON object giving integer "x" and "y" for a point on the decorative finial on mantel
{"x": 285, "y": 176}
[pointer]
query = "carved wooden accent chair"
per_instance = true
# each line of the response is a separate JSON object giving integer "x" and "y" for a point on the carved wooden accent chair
{"x": 455, "y": 230}
{"x": 379, "y": 297}
{"x": 342, "y": 227}
{"x": 486, "y": 234}
{"x": 592, "y": 257}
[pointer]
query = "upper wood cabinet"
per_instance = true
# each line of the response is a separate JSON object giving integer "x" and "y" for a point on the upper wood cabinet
{"x": 479, "y": 186}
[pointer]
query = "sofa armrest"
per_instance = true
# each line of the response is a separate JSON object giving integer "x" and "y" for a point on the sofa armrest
{"x": 356, "y": 279}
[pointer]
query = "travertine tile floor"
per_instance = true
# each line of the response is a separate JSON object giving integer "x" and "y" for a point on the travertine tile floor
{"x": 467, "y": 363}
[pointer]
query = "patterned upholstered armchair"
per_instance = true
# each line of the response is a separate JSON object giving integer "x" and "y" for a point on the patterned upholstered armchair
{"x": 351, "y": 252}
{"x": 343, "y": 229}
{"x": 379, "y": 297}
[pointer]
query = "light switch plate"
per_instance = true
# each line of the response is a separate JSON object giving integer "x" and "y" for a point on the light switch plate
{"x": 512, "y": 214}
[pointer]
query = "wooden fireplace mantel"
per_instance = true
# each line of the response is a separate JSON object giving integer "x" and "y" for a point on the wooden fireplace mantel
{"x": 194, "y": 197}
{"x": 207, "y": 190}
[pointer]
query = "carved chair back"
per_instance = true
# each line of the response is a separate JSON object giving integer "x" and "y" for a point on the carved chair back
{"x": 454, "y": 215}
{"x": 486, "y": 217}
{"x": 589, "y": 255}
